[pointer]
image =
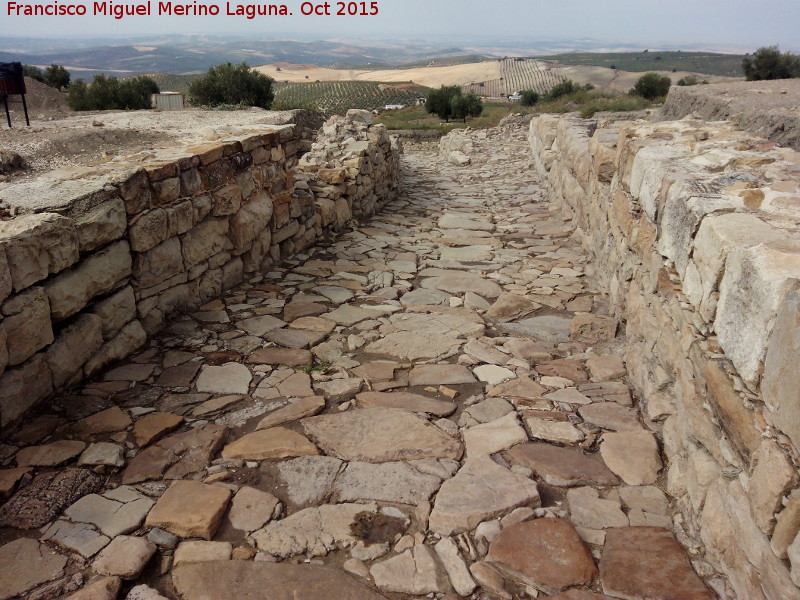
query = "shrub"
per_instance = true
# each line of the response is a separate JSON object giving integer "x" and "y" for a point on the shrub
{"x": 439, "y": 101}
{"x": 110, "y": 93}
{"x": 464, "y": 106}
{"x": 565, "y": 88}
{"x": 232, "y": 85}
{"x": 651, "y": 86}
{"x": 529, "y": 97}
{"x": 688, "y": 80}
{"x": 770, "y": 63}
{"x": 34, "y": 73}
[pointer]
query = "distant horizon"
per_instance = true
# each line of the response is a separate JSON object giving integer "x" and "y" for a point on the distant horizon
{"x": 737, "y": 26}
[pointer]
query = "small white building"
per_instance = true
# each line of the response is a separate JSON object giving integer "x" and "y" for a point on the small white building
{"x": 394, "y": 107}
{"x": 168, "y": 101}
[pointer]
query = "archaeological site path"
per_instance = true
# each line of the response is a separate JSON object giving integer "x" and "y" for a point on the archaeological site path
{"x": 434, "y": 405}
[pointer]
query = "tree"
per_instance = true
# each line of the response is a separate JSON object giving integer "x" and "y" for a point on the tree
{"x": 770, "y": 63}
{"x": 439, "y": 101}
{"x": 466, "y": 105}
{"x": 651, "y": 86}
{"x": 110, "y": 93}
{"x": 232, "y": 85}
{"x": 529, "y": 97}
{"x": 56, "y": 76}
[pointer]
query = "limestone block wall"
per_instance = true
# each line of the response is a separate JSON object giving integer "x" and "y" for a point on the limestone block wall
{"x": 694, "y": 228}
{"x": 102, "y": 257}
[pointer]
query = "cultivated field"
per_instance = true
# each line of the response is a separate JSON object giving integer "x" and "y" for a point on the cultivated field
{"x": 517, "y": 74}
{"x": 709, "y": 63}
{"x": 336, "y": 97}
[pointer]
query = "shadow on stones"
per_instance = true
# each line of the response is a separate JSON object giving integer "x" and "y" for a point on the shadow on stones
{"x": 374, "y": 528}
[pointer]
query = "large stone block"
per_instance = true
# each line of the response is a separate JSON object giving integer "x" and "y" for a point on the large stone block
{"x": 158, "y": 264}
{"x": 37, "y": 246}
{"x": 204, "y": 241}
{"x": 102, "y": 225}
{"x": 716, "y": 237}
{"x": 23, "y": 387}
{"x": 227, "y": 200}
{"x": 26, "y": 325}
{"x": 781, "y": 384}
{"x": 148, "y": 230}
{"x": 98, "y": 274}
{"x": 76, "y": 344}
{"x": 773, "y": 476}
{"x": 115, "y": 311}
{"x": 651, "y": 175}
{"x": 756, "y": 282}
{"x": 250, "y": 221}
{"x": 130, "y": 338}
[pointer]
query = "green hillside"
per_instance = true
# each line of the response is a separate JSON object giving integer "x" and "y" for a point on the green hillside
{"x": 335, "y": 97}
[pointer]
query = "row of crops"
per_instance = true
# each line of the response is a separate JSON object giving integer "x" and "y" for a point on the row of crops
{"x": 336, "y": 97}
{"x": 518, "y": 74}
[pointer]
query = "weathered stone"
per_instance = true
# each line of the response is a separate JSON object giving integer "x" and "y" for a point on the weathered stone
{"x": 97, "y": 274}
{"x": 509, "y": 307}
{"x": 308, "y": 479}
{"x": 648, "y": 562}
{"x": 228, "y": 580}
{"x": 553, "y": 427}
{"x": 586, "y": 327}
{"x": 545, "y": 553}
{"x": 105, "y": 588}
{"x": 413, "y": 572}
{"x": 176, "y": 456}
{"x": 154, "y": 426}
{"x": 289, "y": 357}
{"x": 494, "y": 436}
{"x": 521, "y": 387}
{"x": 118, "y": 511}
{"x": 493, "y": 374}
{"x": 481, "y": 490}
{"x": 106, "y": 421}
{"x": 451, "y": 220}
{"x": 406, "y": 345}
{"x": 196, "y": 551}
{"x": 37, "y": 246}
{"x": 440, "y": 375}
{"x": 773, "y": 475}
{"x": 204, "y": 240}
{"x": 786, "y": 529}
{"x": 42, "y": 500}
{"x": 131, "y": 337}
{"x": 24, "y": 564}
{"x": 75, "y": 345}
{"x": 610, "y": 415}
{"x": 295, "y": 338}
{"x": 380, "y": 435}
{"x": 102, "y": 453}
{"x": 251, "y": 509}
{"x": 588, "y": 510}
{"x": 258, "y": 326}
{"x": 26, "y": 325}
{"x": 9, "y": 478}
{"x": 563, "y": 466}
{"x": 267, "y": 444}
{"x": 190, "y": 509}
{"x": 437, "y": 324}
{"x": 605, "y": 368}
{"x": 385, "y": 482}
{"x": 459, "y": 282}
{"x": 548, "y": 328}
{"x": 313, "y": 531}
{"x": 780, "y": 371}
{"x": 633, "y": 456}
{"x": 78, "y": 537}
{"x": 232, "y": 378}
{"x": 407, "y": 401}
{"x": 158, "y": 264}
{"x": 454, "y": 565}
{"x": 340, "y": 390}
{"x": 49, "y": 455}
{"x": 125, "y": 557}
{"x": 178, "y": 376}
{"x": 297, "y": 409}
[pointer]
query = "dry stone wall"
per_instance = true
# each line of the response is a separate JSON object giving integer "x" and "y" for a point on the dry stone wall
{"x": 694, "y": 228}
{"x": 103, "y": 257}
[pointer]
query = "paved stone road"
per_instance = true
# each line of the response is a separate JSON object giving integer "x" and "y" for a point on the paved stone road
{"x": 433, "y": 406}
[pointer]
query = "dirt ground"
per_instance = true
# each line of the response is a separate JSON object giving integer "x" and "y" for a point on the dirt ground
{"x": 71, "y": 139}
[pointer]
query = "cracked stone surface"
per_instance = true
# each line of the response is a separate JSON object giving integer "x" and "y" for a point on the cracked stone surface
{"x": 413, "y": 407}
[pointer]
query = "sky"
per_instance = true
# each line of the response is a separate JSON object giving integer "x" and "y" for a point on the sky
{"x": 732, "y": 24}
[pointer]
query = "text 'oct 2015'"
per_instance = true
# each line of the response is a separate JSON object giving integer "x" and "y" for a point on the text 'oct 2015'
{"x": 117, "y": 10}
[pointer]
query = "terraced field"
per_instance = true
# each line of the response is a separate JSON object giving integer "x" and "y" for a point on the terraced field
{"x": 517, "y": 74}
